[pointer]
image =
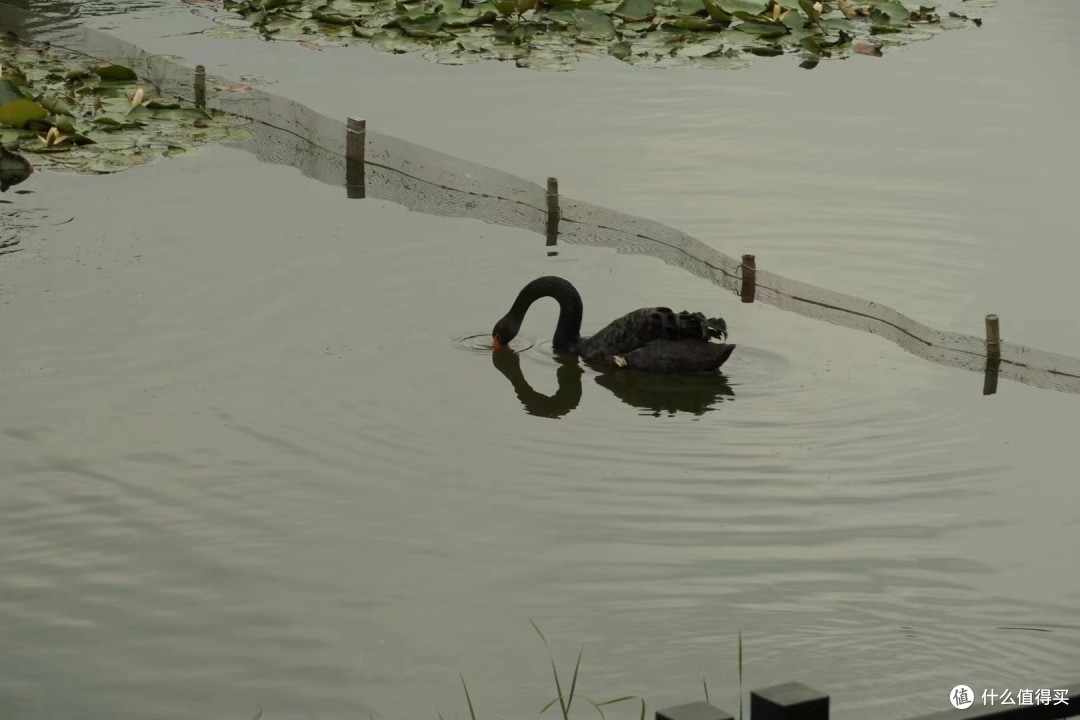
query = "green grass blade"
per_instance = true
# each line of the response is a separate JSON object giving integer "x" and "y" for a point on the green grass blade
{"x": 706, "y": 686}
{"x": 573, "y": 681}
{"x": 564, "y": 706}
{"x": 537, "y": 629}
{"x": 548, "y": 706}
{"x": 558, "y": 689}
{"x": 600, "y": 705}
{"x": 258, "y": 714}
{"x": 740, "y": 677}
{"x": 596, "y": 705}
{"x": 468, "y": 699}
{"x": 624, "y": 698}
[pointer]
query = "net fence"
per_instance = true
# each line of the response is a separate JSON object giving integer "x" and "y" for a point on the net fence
{"x": 287, "y": 133}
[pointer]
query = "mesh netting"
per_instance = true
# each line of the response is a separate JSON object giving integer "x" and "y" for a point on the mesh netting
{"x": 287, "y": 133}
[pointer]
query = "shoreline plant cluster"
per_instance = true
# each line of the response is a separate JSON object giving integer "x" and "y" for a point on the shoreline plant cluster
{"x": 554, "y": 34}
{"x": 69, "y": 112}
{"x": 566, "y": 693}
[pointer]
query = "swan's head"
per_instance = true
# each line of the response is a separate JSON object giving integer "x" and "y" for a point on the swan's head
{"x": 504, "y": 331}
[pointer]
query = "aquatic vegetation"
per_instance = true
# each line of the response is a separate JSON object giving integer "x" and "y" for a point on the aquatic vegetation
{"x": 554, "y": 34}
{"x": 64, "y": 110}
{"x": 564, "y": 697}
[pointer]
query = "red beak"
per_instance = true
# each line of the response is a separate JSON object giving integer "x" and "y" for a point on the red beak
{"x": 495, "y": 344}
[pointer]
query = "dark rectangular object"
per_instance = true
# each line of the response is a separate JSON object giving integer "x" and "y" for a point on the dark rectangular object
{"x": 790, "y": 701}
{"x": 693, "y": 711}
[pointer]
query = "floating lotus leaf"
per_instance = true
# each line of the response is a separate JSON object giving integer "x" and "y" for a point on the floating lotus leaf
{"x": 811, "y": 10}
{"x": 700, "y": 49}
{"x": 763, "y": 28}
{"x": 717, "y": 13}
{"x": 890, "y": 12}
{"x": 594, "y": 24}
{"x": 621, "y": 49}
{"x": 9, "y": 88}
{"x": 424, "y": 26}
{"x": 116, "y": 72}
{"x": 18, "y": 113}
{"x": 467, "y": 17}
{"x": 635, "y": 10}
{"x": 638, "y": 32}
{"x": 752, "y": 7}
{"x": 473, "y": 43}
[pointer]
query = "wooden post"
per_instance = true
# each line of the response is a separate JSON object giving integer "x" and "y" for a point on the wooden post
{"x": 993, "y": 355}
{"x": 200, "y": 87}
{"x": 355, "y": 142}
{"x": 993, "y": 336}
{"x": 790, "y": 701}
{"x": 749, "y": 278}
{"x": 554, "y": 215}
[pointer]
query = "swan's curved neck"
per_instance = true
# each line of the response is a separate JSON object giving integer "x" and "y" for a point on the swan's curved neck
{"x": 568, "y": 329}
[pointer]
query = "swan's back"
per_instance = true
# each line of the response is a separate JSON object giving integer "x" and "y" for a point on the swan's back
{"x": 639, "y": 328}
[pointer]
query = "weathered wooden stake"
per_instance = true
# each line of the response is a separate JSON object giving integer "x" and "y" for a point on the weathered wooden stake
{"x": 355, "y": 142}
{"x": 993, "y": 355}
{"x": 200, "y": 87}
{"x": 749, "y": 278}
{"x": 993, "y": 336}
{"x": 554, "y": 215}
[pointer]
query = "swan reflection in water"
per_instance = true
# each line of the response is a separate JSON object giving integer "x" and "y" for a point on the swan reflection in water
{"x": 654, "y": 392}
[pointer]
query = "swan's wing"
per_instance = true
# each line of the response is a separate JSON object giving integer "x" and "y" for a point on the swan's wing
{"x": 639, "y": 328}
{"x": 676, "y": 356}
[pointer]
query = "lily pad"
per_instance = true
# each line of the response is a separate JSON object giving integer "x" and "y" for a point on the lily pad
{"x": 18, "y": 113}
{"x": 9, "y": 91}
{"x": 716, "y": 12}
{"x": 424, "y": 26}
{"x": 753, "y": 7}
{"x": 116, "y": 72}
{"x": 594, "y": 24}
{"x": 621, "y": 49}
{"x": 812, "y": 12}
{"x": 890, "y": 12}
{"x": 763, "y": 28}
{"x": 699, "y": 50}
{"x": 635, "y": 10}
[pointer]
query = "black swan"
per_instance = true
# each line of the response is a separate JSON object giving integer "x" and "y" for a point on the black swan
{"x": 653, "y": 339}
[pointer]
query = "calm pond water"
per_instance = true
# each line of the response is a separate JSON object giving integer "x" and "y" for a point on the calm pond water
{"x": 246, "y": 458}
